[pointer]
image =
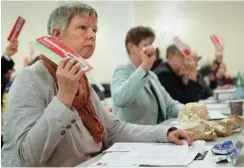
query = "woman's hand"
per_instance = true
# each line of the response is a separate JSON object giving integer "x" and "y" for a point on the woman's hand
{"x": 68, "y": 75}
{"x": 12, "y": 48}
{"x": 148, "y": 57}
{"x": 189, "y": 69}
{"x": 176, "y": 136}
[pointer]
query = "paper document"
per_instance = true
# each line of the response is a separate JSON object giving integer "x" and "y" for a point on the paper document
{"x": 161, "y": 148}
{"x": 216, "y": 115}
{"x": 217, "y": 106}
{"x": 148, "y": 154}
{"x": 131, "y": 159}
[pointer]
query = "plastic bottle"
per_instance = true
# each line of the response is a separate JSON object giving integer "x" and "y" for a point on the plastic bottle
{"x": 239, "y": 84}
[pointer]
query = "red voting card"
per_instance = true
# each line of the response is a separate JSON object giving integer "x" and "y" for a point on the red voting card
{"x": 16, "y": 29}
{"x": 217, "y": 42}
{"x": 182, "y": 47}
{"x": 61, "y": 50}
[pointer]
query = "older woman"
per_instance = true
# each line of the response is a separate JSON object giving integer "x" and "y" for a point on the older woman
{"x": 138, "y": 96}
{"x": 53, "y": 116}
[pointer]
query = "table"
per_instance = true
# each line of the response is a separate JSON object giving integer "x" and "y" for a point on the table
{"x": 207, "y": 162}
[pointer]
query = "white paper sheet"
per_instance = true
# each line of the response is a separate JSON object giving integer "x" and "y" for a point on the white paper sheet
{"x": 217, "y": 106}
{"x": 134, "y": 159}
{"x": 151, "y": 154}
{"x": 155, "y": 148}
{"x": 216, "y": 114}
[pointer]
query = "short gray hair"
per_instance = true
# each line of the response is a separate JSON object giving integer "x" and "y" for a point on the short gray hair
{"x": 62, "y": 15}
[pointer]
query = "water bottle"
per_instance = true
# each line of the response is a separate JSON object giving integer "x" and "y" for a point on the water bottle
{"x": 239, "y": 84}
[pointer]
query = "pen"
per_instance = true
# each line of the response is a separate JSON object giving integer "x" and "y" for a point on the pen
{"x": 145, "y": 165}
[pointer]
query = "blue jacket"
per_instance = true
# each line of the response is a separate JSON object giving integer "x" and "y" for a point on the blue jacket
{"x": 133, "y": 99}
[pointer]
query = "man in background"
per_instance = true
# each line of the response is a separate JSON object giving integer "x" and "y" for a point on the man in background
{"x": 179, "y": 77}
{"x": 7, "y": 65}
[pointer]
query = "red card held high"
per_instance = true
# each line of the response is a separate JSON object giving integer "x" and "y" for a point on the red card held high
{"x": 182, "y": 47}
{"x": 16, "y": 29}
{"x": 217, "y": 42}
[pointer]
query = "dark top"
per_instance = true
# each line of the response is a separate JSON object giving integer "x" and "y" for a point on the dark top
{"x": 192, "y": 92}
{"x": 6, "y": 65}
{"x": 156, "y": 63}
{"x": 160, "y": 113}
{"x": 221, "y": 82}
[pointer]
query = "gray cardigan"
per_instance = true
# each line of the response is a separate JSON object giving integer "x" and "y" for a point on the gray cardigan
{"x": 133, "y": 99}
{"x": 41, "y": 131}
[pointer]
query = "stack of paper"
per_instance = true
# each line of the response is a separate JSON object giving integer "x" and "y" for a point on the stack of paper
{"x": 146, "y": 154}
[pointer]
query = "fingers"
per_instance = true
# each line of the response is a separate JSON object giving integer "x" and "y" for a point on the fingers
{"x": 63, "y": 63}
{"x": 175, "y": 137}
{"x": 15, "y": 41}
{"x": 191, "y": 135}
{"x": 79, "y": 74}
{"x": 150, "y": 51}
{"x": 186, "y": 135}
{"x": 75, "y": 68}
{"x": 70, "y": 64}
{"x": 175, "y": 140}
{"x": 13, "y": 44}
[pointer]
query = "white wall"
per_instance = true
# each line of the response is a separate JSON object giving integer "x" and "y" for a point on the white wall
{"x": 193, "y": 22}
{"x": 114, "y": 20}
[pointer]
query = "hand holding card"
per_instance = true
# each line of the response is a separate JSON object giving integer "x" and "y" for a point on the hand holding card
{"x": 12, "y": 48}
{"x": 148, "y": 57}
{"x": 55, "y": 50}
{"x": 219, "y": 46}
{"x": 185, "y": 50}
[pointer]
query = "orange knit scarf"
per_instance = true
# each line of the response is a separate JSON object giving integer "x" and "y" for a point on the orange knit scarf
{"x": 81, "y": 103}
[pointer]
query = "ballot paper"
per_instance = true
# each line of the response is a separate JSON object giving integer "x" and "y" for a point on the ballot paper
{"x": 182, "y": 47}
{"x": 218, "y": 43}
{"x": 16, "y": 29}
{"x": 148, "y": 155}
{"x": 55, "y": 50}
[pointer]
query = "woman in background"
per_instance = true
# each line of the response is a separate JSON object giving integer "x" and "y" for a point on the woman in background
{"x": 137, "y": 94}
{"x": 220, "y": 79}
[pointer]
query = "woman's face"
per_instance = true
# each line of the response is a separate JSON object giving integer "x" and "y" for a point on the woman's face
{"x": 80, "y": 35}
{"x": 222, "y": 69}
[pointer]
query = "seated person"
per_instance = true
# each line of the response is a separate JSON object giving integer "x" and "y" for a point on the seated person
{"x": 53, "y": 116}
{"x": 206, "y": 73}
{"x": 220, "y": 79}
{"x": 138, "y": 96}
{"x": 179, "y": 77}
{"x": 7, "y": 66}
